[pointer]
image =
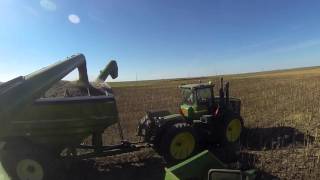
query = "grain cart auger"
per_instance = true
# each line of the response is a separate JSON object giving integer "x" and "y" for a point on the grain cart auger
{"x": 36, "y": 131}
{"x": 204, "y": 121}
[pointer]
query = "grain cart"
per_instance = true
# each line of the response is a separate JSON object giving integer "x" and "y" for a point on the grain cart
{"x": 34, "y": 130}
{"x": 205, "y": 120}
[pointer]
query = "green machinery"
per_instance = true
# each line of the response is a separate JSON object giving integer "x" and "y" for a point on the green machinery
{"x": 205, "y": 120}
{"x": 37, "y": 132}
{"x": 205, "y": 166}
{"x": 54, "y": 122}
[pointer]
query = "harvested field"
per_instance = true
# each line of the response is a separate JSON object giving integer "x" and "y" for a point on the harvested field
{"x": 281, "y": 110}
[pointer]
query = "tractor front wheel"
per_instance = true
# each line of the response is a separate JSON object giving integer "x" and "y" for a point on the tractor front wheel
{"x": 178, "y": 143}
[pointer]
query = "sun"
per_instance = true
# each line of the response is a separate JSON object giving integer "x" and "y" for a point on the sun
{"x": 74, "y": 19}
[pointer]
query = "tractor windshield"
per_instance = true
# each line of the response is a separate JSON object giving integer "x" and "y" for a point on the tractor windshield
{"x": 204, "y": 95}
{"x": 187, "y": 96}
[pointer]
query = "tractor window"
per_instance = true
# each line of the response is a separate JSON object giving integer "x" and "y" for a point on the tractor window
{"x": 187, "y": 96}
{"x": 204, "y": 95}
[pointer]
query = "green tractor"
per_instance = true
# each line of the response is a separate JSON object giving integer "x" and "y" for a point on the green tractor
{"x": 205, "y": 121}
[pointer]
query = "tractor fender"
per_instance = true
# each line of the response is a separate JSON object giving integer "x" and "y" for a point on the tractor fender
{"x": 154, "y": 124}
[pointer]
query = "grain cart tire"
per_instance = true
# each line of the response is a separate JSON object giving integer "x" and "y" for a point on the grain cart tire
{"x": 24, "y": 162}
{"x": 178, "y": 143}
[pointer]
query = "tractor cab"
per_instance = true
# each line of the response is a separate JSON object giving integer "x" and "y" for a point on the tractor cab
{"x": 197, "y": 100}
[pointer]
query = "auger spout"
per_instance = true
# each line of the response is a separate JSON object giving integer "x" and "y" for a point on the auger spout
{"x": 111, "y": 69}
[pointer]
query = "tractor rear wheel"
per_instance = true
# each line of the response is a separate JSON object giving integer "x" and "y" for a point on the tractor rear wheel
{"x": 230, "y": 129}
{"x": 178, "y": 143}
{"x": 230, "y": 134}
{"x": 25, "y": 162}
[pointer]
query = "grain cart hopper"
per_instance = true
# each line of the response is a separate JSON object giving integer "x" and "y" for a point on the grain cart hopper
{"x": 35, "y": 130}
{"x": 205, "y": 120}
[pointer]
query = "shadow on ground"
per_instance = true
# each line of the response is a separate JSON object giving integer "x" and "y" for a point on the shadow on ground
{"x": 256, "y": 139}
{"x": 152, "y": 168}
{"x": 274, "y": 137}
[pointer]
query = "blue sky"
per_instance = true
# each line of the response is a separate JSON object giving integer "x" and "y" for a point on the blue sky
{"x": 160, "y": 39}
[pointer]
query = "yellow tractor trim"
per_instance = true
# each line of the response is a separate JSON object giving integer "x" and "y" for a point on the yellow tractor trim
{"x": 182, "y": 145}
{"x": 233, "y": 130}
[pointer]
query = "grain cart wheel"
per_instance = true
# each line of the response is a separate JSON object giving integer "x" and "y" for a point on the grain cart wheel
{"x": 29, "y": 163}
{"x": 178, "y": 142}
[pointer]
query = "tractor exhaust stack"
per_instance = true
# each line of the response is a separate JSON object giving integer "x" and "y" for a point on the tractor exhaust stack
{"x": 221, "y": 93}
{"x": 227, "y": 93}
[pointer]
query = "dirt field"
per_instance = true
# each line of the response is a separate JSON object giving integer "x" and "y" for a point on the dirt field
{"x": 281, "y": 112}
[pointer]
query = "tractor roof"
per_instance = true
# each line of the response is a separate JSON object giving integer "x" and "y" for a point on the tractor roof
{"x": 196, "y": 86}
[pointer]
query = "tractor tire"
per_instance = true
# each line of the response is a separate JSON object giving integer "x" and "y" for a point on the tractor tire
{"x": 230, "y": 129}
{"x": 178, "y": 143}
{"x": 230, "y": 132}
{"x": 24, "y": 162}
